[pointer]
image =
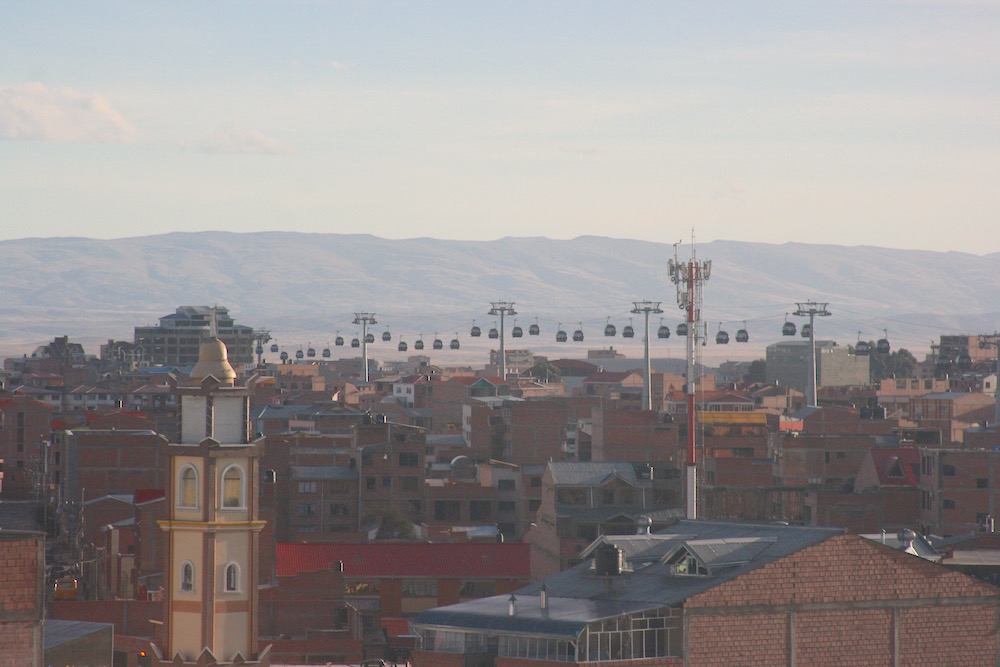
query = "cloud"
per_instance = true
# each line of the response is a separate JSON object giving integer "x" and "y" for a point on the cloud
{"x": 31, "y": 111}
{"x": 247, "y": 141}
{"x": 336, "y": 64}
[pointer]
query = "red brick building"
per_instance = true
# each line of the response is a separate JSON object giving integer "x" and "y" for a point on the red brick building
{"x": 706, "y": 593}
{"x": 25, "y": 431}
{"x": 22, "y": 598}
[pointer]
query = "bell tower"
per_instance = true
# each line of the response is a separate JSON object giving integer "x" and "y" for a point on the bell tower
{"x": 212, "y": 534}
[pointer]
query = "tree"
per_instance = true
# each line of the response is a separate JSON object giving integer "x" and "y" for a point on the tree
{"x": 756, "y": 372}
{"x": 394, "y": 525}
{"x": 898, "y": 363}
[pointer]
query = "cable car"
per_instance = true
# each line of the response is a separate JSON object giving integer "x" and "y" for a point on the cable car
{"x": 682, "y": 329}
{"x": 284, "y": 357}
{"x": 355, "y": 342}
{"x": 628, "y": 331}
{"x": 743, "y": 336}
{"x": 862, "y": 349}
{"x": 339, "y": 342}
{"x": 560, "y": 335}
{"x": 476, "y": 331}
{"x": 882, "y": 346}
{"x": 326, "y": 352}
{"x": 964, "y": 361}
{"x": 722, "y": 338}
{"x": 788, "y": 328}
{"x": 386, "y": 336}
{"x": 370, "y": 338}
{"x": 578, "y": 334}
{"x": 298, "y": 354}
{"x": 533, "y": 329}
{"x": 517, "y": 331}
{"x": 609, "y": 329}
{"x": 663, "y": 331}
{"x": 494, "y": 333}
{"x": 402, "y": 346}
{"x": 274, "y": 348}
{"x": 806, "y": 330}
{"x": 311, "y": 352}
{"x": 419, "y": 345}
{"x": 454, "y": 343}
{"x": 438, "y": 345}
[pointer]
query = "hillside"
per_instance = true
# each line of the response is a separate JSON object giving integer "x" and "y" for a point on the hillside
{"x": 305, "y": 287}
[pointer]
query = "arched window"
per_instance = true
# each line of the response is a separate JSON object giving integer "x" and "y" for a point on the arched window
{"x": 187, "y": 487}
{"x": 187, "y": 576}
{"x": 232, "y": 578}
{"x": 232, "y": 487}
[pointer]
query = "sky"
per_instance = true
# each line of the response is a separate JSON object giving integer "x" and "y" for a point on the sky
{"x": 849, "y": 123}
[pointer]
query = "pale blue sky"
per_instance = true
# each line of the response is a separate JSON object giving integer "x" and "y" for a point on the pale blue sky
{"x": 855, "y": 123}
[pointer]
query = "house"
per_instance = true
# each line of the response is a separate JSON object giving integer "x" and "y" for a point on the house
{"x": 712, "y": 593}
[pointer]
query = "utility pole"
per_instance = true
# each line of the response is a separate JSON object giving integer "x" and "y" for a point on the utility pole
{"x": 502, "y": 308}
{"x": 647, "y": 307}
{"x": 364, "y": 319}
{"x": 812, "y": 309}
{"x": 690, "y": 277}
{"x": 993, "y": 340}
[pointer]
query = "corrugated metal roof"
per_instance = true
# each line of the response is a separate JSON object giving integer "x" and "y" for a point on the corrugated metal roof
{"x": 408, "y": 559}
{"x": 578, "y": 596}
{"x": 590, "y": 473}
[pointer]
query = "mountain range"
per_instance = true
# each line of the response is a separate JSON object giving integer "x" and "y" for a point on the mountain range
{"x": 305, "y": 288}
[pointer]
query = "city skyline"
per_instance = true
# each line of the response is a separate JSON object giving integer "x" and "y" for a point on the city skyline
{"x": 858, "y": 123}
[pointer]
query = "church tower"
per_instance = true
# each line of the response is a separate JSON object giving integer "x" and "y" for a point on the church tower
{"x": 212, "y": 534}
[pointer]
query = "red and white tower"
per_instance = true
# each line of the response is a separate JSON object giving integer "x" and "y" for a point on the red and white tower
{"x": 690, "y": 277}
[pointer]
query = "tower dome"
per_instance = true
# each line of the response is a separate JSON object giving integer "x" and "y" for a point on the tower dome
{"x": 213, "y": 359}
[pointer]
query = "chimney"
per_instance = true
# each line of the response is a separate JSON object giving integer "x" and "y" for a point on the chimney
{"x": 512, "y": 606}
{"x": 543, "y": 597}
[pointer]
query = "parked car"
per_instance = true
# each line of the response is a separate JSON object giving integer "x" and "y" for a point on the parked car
{"x": 66, "y": 588}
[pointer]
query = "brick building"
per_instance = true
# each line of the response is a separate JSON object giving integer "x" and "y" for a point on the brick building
{"x": 22, "y": 598}
{"x": 705, "y": 593}
{"x": 25, "y": 431}
{"x": 959, "y": 490}
{"x": 583, "y": 500}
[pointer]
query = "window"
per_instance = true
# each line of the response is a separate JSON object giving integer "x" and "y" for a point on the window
{"x": 534, "y": 504}
{"x": 982, "y": 483}
{"x": 948, "y": 470}
{"x": 536, "y": 481}
{"x": 477, "y": 589}
{"x": 370, "y": 483}
{"x": 232, "y": 487}
{"x": 447, "y": 510}
{"x": 307, "y": 487}
{"x": 506, "y": 506}
{"x": 505, "y": 485}
{"x": 307, "y": 509}
{"x": 571, "y": 497}
{"x": 232, "y": 578}
{"x": 386, "y": 481}
{"x": 187, "y": 491}
{"x": 187, "y": 576}
{"x": 948, "y": 504}
{"x": 409, "y": 459}
{"x": 419, "y": 588}
{"x": 479, "y": 510}
{"x": 339, "y": 509}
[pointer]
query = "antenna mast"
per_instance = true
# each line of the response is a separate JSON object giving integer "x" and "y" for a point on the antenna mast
{"x": 690, "y": 277}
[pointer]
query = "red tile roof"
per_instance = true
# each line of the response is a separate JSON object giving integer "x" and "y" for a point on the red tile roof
{"x": 408, "y": 559}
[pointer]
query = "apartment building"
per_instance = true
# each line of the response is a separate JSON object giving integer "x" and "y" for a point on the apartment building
{"x": 176, "y": 339}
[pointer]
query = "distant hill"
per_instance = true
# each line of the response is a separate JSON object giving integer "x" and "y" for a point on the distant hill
{"x": 305, "y": 287}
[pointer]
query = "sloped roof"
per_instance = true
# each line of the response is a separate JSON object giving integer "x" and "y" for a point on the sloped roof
{"x": 578, "y": 596}
{"x": 408, "y": 559}
{"x": 590, "y": 473}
